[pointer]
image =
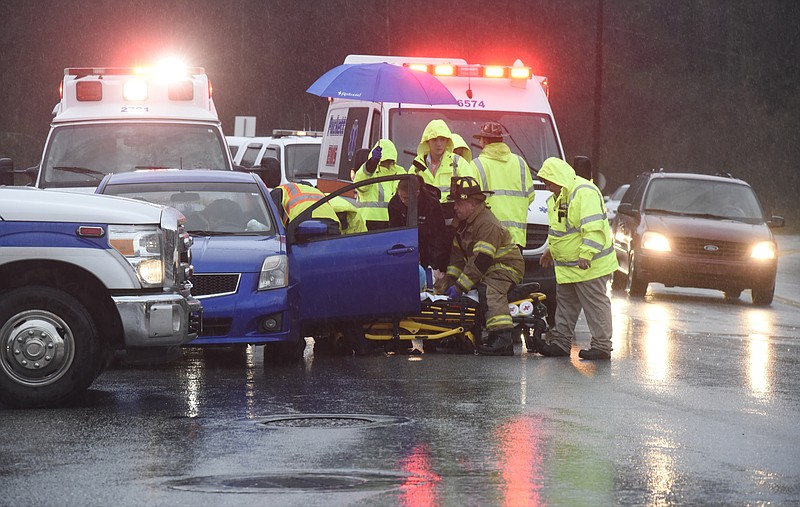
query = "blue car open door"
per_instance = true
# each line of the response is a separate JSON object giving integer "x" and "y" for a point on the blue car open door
{"x": 354, "y": 277}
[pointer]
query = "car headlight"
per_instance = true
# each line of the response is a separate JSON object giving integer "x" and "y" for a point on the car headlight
{"x": 655, "y": 241}
{"x": 764, "y": 250}
{"x": 141, "y": 245}
{"x": 274, "y": 273}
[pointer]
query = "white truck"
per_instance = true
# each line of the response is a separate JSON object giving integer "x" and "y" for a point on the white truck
{"x": 513, "y": 96}
{"x": 82, "y": 276}
{"x": 112, "y": 120}
{"x": 297, "y": 152}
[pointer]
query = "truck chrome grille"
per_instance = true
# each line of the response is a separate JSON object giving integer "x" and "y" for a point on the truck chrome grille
{"x": 207, "y": 285}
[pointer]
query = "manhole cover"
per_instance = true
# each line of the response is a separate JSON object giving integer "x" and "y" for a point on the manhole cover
{"x": 306, "y": 481}
{"x": 329, "y": 421}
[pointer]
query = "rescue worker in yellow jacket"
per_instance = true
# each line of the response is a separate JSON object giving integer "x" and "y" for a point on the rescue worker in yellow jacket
{"x": 293, "y": 198}
{"x": 483, "y": 254}
{"x": 437, "y": 164}
{"x": 349, "y": 218}
{"x": 461, "y": 148}
{"x": 508, "y": 176}
{"x": 373, "y": 200}
{"x": 581, "y": 247}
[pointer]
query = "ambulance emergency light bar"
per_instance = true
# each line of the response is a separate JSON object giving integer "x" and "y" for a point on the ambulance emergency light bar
{"x": 492, "y": 71}
{"x": 180, "y": 86}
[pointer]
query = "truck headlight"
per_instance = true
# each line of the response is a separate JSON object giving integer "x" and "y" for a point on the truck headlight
{"x": 274, "y": 273}
{"x": 142, "y": 247}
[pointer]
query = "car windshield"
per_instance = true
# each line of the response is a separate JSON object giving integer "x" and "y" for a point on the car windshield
{"x": 81, "y": 155}
{"x": 532, "y": 135}
{"x": 210, "y": 208}
{"x": 703, "y": 198}
{"x": 618, "y": 193}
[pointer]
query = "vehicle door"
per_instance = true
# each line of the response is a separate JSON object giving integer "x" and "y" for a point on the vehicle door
{"x": 356, "y": 276}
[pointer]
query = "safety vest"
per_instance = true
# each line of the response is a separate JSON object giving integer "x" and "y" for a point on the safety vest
{"x": 579, "y": 229}
{"x": 373, "y": 200}
{"x": 298, "y": 197}
{"x": 513, "y": 192}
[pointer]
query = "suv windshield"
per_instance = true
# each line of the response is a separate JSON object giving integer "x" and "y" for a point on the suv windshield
{"x": 210, "y": 208}
{"x": 532, "y": 135}
{"x": 703, "y": 198}
{"x": 80, "y": 155}
{"x": 301, "y": 161}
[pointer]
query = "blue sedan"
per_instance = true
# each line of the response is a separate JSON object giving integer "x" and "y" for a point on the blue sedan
{"x": 263, "y": 283}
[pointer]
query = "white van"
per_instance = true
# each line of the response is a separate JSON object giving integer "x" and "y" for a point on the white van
{"x": 512, "y": 96}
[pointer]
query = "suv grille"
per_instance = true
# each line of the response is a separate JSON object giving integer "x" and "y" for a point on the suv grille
{"x": 535, "y": 236}
{"x": 214, "y": 285}
{"x": 711, "y": 249}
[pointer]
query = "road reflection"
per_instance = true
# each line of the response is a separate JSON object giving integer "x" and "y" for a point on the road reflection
{"x": 520, "y": 460}
{"x": 656, "y": 346}
{"x": 759, "y": 361}
{"x": 420, "y": 488}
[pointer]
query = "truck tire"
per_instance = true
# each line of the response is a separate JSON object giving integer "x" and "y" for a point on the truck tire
{"x": 50, "y": 350}
{"x": 636, "y": 286}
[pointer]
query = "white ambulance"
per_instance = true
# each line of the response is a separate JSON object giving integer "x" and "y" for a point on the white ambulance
{"x": 112, "y": 120}
{"x": 512, "y": 96}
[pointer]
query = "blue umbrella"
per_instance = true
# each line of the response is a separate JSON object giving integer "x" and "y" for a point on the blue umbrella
{"x": 381, "y": 82}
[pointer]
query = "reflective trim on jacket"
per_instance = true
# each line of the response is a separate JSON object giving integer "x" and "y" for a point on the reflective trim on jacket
{"x": 298, "y": 197}
{"x": 508, "y": 176}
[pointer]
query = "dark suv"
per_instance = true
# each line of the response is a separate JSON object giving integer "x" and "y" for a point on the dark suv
{"x": 695, "y": 230}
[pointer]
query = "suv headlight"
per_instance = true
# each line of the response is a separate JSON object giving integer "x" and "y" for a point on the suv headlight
{"x": 655, "y": 241}
{"x": 141, "y": 245}
{"x": 274, "y": 273}
{"x": 763, "y": 250}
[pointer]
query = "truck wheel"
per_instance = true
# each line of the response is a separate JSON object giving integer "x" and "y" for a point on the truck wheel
{"x": 636, "y": 286}
{"x": 50, "y": 350}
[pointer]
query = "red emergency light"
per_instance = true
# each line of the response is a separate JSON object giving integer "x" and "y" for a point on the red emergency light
{"x": 422, "y": 67}
{"x": 87, "y": 91}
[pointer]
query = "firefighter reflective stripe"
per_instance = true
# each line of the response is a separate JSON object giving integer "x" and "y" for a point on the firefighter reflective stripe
{"x": 380, "y": 203}
{"x": 484, "y": 247}
{"x": 465, "y": 282}
{"x": 591, "y": 218}
{"x": 499, "y": 322}
{"x": 593, "y": 244}
{"x": 561, "y": 234}
{"x": 598, "y": 255}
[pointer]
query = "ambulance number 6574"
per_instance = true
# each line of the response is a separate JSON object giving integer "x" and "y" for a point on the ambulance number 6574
{"x": 471, "y": 103}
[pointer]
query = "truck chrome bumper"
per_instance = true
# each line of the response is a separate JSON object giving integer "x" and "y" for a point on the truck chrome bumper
{"x": 156, "y": 320}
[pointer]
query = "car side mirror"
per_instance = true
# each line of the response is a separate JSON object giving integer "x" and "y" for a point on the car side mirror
{"x": 310, "y": 229}
{"x": 625, "y": 208}
{"x": 776, "y": 222}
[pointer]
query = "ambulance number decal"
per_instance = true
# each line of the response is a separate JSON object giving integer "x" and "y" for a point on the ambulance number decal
{"x": 471, "y": 104}
{"x": 134, "y": 109}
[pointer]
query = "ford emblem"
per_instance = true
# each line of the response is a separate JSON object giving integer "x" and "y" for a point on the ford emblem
{"x": 711, "y": 248}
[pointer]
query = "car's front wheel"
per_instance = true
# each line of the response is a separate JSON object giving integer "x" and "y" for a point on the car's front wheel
{"x": 762, "y": 296}
{"x": 637, "y": 287}
{"x": 619, "y": 281}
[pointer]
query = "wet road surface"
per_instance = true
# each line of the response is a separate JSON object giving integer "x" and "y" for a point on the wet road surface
{"x": 699, "y": 405}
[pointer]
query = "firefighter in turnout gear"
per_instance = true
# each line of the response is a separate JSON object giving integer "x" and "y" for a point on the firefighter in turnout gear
{"x": 483, "y": 254}
{"x": 508, "y": 176}
{"x": 581, "y": 247}
{"x": 373, "y": 200}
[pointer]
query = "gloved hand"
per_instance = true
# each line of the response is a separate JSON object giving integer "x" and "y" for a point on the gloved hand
{"x": 374, "y": 160}
{"x": 452, "y": 292}
{"x": 419, "y": 166}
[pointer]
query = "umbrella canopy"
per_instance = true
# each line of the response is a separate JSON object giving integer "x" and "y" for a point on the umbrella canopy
{"x": 381, "y": 82}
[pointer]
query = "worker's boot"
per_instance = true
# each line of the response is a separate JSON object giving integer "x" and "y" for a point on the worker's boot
{"x": 501, "y": 343}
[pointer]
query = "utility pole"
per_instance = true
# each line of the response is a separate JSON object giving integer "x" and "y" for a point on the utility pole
{"x": 598, "y": 87}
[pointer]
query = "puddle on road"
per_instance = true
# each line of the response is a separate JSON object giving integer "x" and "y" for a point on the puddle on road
{"x": 332, "y": 421}
{"x": 295, "y": 481}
